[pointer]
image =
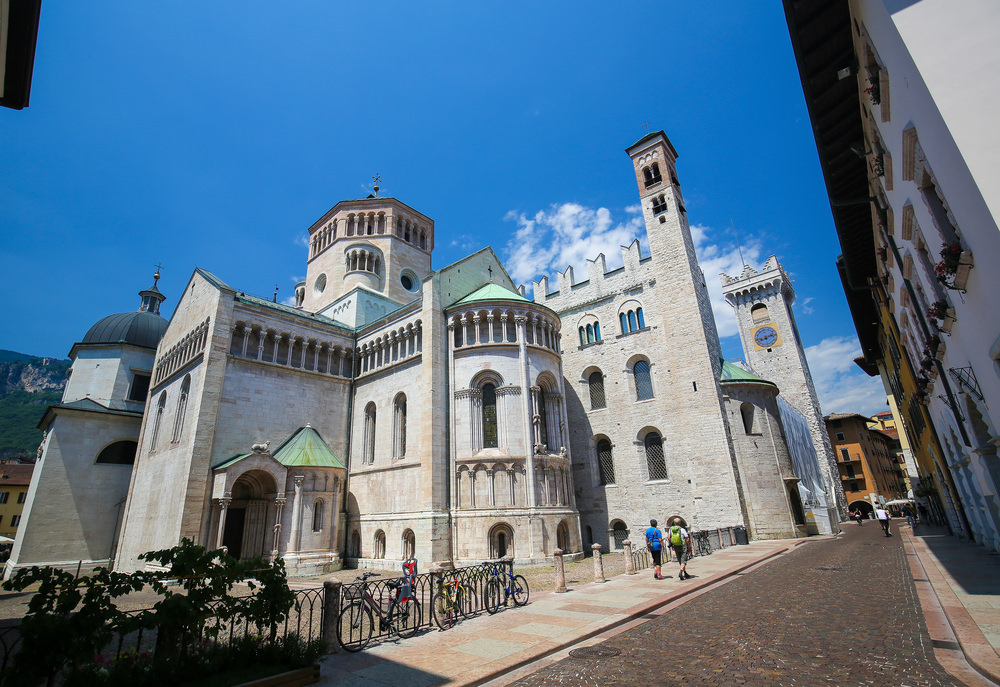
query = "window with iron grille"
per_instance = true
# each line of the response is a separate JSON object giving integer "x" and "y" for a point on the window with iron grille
{"x": 489, "y": 416}
{"x": 596, "y": 383}
{"x": 620, "y": 533}
{"x": 654, "y": 456}
{"x": 605, "y": 462}
{"x": 643, "y": 381}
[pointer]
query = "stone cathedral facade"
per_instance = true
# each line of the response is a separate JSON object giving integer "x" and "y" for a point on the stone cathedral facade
{"x": 398, "y": 410}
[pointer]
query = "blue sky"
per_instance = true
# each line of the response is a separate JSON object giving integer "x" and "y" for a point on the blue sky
{"x": 214, "y": 134}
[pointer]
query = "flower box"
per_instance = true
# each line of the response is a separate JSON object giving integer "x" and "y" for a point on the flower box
{"x": 939, "y": 353}
{"x": 964, "y": 267}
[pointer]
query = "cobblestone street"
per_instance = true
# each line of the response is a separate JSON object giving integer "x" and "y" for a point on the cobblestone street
{"x": 839, "y": 612}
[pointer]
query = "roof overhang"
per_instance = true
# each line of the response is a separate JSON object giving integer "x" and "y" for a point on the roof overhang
{"x": 18, "y": 35}
{"x": 822, "y": 41}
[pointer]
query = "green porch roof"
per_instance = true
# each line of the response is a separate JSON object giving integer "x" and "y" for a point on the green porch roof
{"x": 492, "y": 292}
{"x": 305, "y": 448}
{"x": 734, "y": 374}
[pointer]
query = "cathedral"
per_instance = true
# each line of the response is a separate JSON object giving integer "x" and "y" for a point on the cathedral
{"x": 398, "y": 410}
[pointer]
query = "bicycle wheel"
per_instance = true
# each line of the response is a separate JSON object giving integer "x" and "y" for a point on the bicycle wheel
{"x": 465, "y": 598}
{"x": 492, "y": 595}
{"x": 443, "y": 610}
{"x": 519, "y": 590}
{"x": 354, "y": 630}
{"x": 407, "y": 618}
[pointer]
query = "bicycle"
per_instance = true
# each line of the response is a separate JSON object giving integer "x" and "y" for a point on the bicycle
{"x": 356, "y": 624}
{"x": 702, "y": 544}
{"x": 507, "y": 582}
{"x": 452, "y": 599}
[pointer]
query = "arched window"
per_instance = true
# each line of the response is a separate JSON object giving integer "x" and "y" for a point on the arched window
{"x": 643, "y": 381}
{"x": 489, "y": 416}
{"x": 659, "y": 204}
{"x": 543, "y": 424}
{"x": 624, "y": 322}
{"x": 597, "y": 331}
{"x": 399, "y": 427}
{"x": 409, "y": 545}
{"x": 369, "y": 445}
{"x": 656, "y": 172}
{"x": 596, "y": 384}
{"x": 181, "y": 409}
{"x": 379, "y": 544}
{"x": 501, "y": 541}
{"x": 562, "y": 536}
{"x": 747, "y": 411}
{"x": 355, "y": 551}
{"x": 590, "y": 333}
{"x": 641, "y": 321}
{"x": 118, "y": 453}
{"x": 318, "y": 515}
{"x": 157, "y": 419}
{"x": 605, "y": 462}
{"x": 583, "y": 337}
{"x": 620, "y": 534}
{"x": 631, "y": 321}
{"x": 758, "y": 313}
{"x": 647, "y": 175}
{"x": 654, "y": 456}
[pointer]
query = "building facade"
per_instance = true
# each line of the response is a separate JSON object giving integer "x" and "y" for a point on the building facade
{"x": 868, "y": 462}
{"x": 904, "y": 127}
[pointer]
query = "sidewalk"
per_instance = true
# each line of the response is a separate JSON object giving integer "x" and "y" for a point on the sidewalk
{"x": 485, "y": 647}
{"x": 959, "y": 588}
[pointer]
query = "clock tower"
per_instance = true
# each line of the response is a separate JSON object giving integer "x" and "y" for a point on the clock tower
{"x": 773, "y": 349}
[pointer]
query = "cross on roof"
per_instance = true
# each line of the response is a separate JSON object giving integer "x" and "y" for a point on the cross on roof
{"x": 645, "y": 125}
{"x": 156, "y": 277}
{"x": 490, "y": 270}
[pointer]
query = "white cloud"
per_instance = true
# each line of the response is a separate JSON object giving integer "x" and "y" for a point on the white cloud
{"x": 716, "y": 258}
{"x": 568, "y": 235}
{"x": 841, "y": 385}
{"x": 302, "y": 240}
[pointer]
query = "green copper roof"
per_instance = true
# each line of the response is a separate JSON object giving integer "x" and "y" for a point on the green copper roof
{"x": 306, "y": 448}
{"x": 492, "y": 292}
{"x": 734, "y": 374}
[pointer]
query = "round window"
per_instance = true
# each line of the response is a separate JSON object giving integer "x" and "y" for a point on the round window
{"x": 320, "y": 284}
{"x": 408, "y": 280}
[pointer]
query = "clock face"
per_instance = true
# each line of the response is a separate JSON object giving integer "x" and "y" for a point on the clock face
{"x": 765, "y": 336}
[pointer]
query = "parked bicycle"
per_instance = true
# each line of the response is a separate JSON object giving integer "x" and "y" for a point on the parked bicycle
{"x": 401, "y": 615}
{"x": 703, "y": 546}
{"x": 504, "y": 584}
{"x": 453, "y": 598}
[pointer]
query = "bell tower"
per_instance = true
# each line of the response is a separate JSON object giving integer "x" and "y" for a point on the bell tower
{"x": 772, "y": 347}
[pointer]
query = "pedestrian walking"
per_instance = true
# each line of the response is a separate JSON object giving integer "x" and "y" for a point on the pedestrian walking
{"x": 680, "y": 542}
{"x": 882, "y": 515}
{"x": 654, "y": 542}
{"x": 908, "y": 514}
{"x": 859, "y": 516}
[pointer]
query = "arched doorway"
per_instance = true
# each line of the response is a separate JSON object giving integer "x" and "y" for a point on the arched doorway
{"x": 247, "y": 530}
{"x": 562, "y": 537}
{"x": 866, "y": 508}
{"x": 501, "y": 541}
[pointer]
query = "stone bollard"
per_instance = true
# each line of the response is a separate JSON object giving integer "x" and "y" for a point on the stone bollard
{"x": 509, "y": 562}
{"x": 557, "y": 558}
{"x": 331, "y": 613}
{"x": 627, "y": 552}
{"x": 598, "y": 563}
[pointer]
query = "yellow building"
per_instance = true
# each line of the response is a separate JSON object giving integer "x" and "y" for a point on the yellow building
{"x": 867, "y": 462}
{"x": 14, "y": 481}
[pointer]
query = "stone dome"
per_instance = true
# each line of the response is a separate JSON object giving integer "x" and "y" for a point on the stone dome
{"x": 139, "y": 328}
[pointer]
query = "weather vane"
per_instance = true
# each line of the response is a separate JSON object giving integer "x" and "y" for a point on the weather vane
{"x": 378, "y": 180}
{"x": 156, "y": 277}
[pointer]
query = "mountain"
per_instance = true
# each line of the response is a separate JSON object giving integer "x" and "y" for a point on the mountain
{"x": 28, "y": 385}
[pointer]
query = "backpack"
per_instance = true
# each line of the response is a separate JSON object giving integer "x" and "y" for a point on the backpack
{"x": 675, "y": 536}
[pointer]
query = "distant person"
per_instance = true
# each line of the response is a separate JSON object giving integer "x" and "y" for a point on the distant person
{"x": 882, "y": 515}
{"x": 680, "y": 542}
{"x": 908, "y": 514}
{"x": 654, "y": 542}
{"x": 859, "y": 516}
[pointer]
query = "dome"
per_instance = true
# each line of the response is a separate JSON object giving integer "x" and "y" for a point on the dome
{"x": 137, "y": 328}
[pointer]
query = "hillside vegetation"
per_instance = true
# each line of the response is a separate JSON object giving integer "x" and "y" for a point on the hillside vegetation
{"x": 28, "y": 385}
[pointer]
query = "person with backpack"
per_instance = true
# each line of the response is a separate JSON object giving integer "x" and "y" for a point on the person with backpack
{"x": 680, "y": 542}
{"x": 882, "y": 515}
{"x": 654, "y": 542}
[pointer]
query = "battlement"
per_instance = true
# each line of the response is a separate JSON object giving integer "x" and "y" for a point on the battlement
{"x": 750, "y": 282}
{"x": 599, "y": 282}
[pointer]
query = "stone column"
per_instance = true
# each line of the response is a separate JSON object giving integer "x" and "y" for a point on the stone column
{"x": 598, "y": 563}
{"x": 489, "y": 477}
{"x": 529, "y": 450}
{"x": 557, "y": 558}
{"x": 246, "y": 338}
{"x": 279, "y": 504}
{"x": 223, "y": 504}
{"x": 260, "y": 344}
{"x": 475, "y": 327}
{"x": 627, "y": 552}
{"x": 489, "y": 327}
{"x": 296, "y": 513}
{"x": 277, "y": 342}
